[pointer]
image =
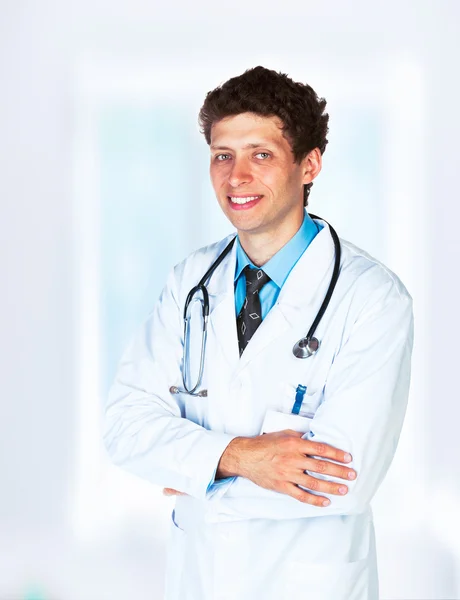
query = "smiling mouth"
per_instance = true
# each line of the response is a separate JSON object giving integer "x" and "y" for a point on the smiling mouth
{"x": 243, "y": 199}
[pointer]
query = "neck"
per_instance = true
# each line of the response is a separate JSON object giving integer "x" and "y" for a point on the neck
{"x": 262, "y": 245}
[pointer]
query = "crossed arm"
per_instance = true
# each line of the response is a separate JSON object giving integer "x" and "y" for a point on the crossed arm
{"x": 362, "y": 414}
{"x": 278, "y": 461}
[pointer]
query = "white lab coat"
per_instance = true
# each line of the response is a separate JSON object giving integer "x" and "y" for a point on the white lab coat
{"x": 239, "y": 541}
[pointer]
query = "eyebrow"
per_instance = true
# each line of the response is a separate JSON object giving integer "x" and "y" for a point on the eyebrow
{"x": 253, "y": 145}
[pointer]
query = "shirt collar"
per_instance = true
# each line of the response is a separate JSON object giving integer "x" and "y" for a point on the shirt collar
{"x": 281, "y": 263}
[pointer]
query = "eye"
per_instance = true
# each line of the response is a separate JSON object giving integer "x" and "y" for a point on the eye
{"x": 263, "y": 153}
{"x": 219, "y": 157}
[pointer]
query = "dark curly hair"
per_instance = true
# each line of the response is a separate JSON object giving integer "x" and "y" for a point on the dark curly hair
{"x": 268, "y": 93}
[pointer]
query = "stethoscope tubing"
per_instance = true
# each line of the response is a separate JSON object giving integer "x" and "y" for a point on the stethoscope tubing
{"x": 334, "y": 278}
{"x": 304, "y": 343}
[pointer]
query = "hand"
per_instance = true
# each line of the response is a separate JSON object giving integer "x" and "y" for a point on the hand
{"x": 278, "y": 461}
{"x": 172, "y": 492}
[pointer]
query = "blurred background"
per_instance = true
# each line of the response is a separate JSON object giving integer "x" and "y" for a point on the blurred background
{"x": 104, "y": 186}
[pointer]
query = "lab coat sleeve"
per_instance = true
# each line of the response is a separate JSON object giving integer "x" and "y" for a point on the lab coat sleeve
{"x": 365, "y": 400}
{"x": 144, "y": 430}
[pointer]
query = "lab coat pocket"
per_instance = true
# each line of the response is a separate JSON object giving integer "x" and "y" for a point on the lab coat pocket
{"x": 330, "y": 581}
{"x": 277, "y": 421}
{"x": 175, "y": 556}
{"x": 303, "y": 405}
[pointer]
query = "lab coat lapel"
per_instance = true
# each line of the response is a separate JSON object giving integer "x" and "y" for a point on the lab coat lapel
{"x": 309, "y": 280}
{"x": 301, "y": 294}
{"x": 222, "y": 318}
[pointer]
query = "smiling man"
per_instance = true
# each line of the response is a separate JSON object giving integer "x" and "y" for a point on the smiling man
{"x": 257, "y": 183}
{"x": 273, "y": 447}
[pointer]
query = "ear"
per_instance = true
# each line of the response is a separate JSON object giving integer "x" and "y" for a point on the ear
{"x": 311, "y": 165}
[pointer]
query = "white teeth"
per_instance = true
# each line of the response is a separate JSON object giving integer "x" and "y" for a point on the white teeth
{"x": 243, "y": 200}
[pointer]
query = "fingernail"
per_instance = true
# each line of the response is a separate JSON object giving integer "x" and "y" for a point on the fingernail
{"x": 343, "y": 489}
{"x": 326, "y": 502}
{"x": 347, "y": 457}
{"x": 351, "y": 475}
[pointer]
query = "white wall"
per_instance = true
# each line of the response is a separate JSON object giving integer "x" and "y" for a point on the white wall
{"x": 46, "y": 51}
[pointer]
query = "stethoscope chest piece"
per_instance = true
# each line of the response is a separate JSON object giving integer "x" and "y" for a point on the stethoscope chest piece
{"x": 306, "y": 347}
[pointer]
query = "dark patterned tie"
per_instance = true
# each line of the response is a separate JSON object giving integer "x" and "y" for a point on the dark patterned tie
{"x": 250, "y": 316}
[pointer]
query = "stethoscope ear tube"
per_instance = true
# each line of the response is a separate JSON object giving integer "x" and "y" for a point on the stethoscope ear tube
{"x": 204, "y": 303}
{"x": 192, "y": 390}
{"x": 201, "y": 287}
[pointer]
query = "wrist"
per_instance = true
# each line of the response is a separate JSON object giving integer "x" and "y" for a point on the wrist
{"x": 232, "y": 461}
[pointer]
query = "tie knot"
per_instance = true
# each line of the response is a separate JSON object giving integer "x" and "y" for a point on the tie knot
{"x": 255, "y": 279}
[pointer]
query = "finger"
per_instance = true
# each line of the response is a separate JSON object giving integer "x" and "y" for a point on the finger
{"x": 324, "y": 451}
{"x": 327, "y": 467}
{"x": 172, "y": 492}
{"x": 303, "y": 496}
{"x": 321, "y": 485}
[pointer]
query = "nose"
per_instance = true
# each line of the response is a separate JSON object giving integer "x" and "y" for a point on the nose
{"x": 240, "y": 173}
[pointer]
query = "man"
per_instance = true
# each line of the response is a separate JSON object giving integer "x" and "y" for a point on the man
{"x": 259, "y": 464}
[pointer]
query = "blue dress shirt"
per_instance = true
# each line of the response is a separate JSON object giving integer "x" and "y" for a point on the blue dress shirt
{"x": 278, "y": 269}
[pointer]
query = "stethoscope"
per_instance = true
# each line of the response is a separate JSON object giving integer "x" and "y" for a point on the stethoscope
{"x": 304, "y": 348}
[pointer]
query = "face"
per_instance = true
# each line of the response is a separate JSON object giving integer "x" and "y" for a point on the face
{"x": 257, "y": 183}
